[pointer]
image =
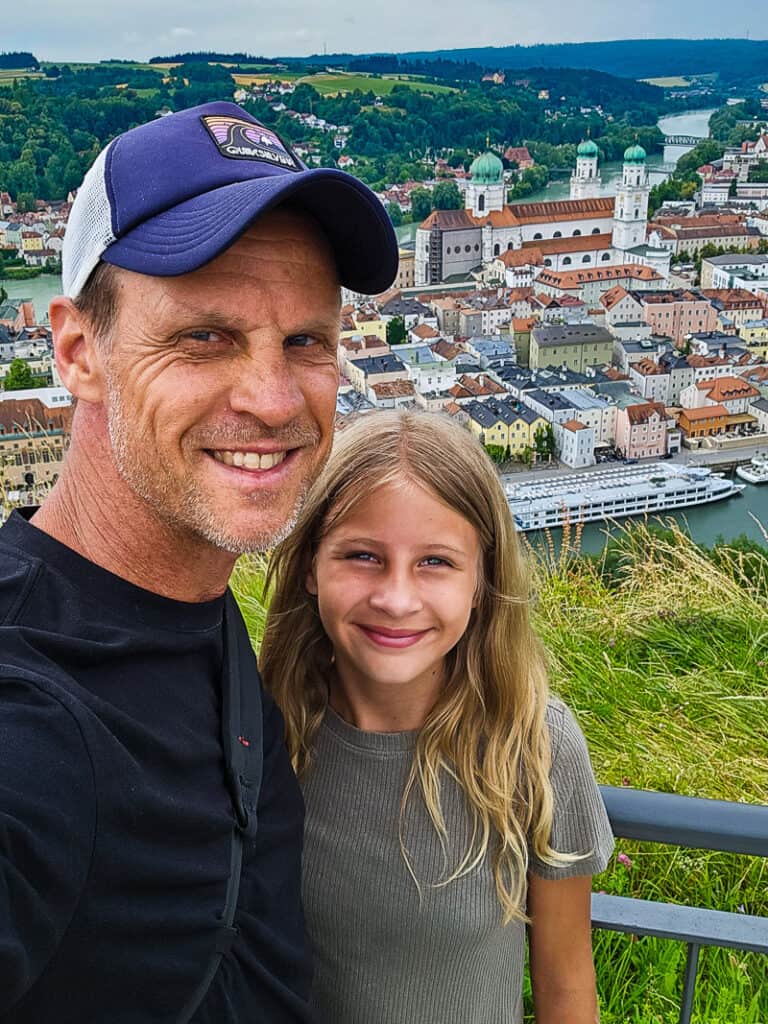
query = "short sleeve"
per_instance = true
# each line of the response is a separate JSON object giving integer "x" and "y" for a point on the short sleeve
{"x": 580, "y": 823}
{"x": 47, "y": 823}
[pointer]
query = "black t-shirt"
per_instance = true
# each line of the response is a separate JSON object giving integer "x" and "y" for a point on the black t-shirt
{"x": 115, "y": 819}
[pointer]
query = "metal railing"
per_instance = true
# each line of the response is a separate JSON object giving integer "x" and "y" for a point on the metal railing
{"x": 695, "y": 823}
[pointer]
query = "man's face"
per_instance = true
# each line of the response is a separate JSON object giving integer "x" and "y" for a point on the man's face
{"x": 221, "y": 384}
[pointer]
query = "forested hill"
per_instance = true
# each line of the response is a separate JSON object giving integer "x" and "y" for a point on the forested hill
{"x": 628, "y": 58}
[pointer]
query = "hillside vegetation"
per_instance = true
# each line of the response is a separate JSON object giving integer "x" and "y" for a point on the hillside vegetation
{"x": 661, "y": 650}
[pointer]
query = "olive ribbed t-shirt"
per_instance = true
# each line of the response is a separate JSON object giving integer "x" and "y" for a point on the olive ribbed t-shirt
{"x": 386, "y": 953}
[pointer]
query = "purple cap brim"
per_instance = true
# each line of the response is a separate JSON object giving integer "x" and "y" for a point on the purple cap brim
{"x": 184, "y": 238}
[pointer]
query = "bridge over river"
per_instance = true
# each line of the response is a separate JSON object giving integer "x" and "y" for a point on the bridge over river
{"x": 682, "y": 140}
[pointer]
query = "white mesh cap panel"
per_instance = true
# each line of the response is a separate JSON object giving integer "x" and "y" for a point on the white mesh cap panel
{"x": 89, "y": 228}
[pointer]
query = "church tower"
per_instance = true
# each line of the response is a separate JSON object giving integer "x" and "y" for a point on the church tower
{"x": 630, "y": 216}
{"x": 585, "y": 181}
{"x": 485, "y": 190}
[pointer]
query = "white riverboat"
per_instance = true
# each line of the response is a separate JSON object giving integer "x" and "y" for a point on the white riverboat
{"x": 755, "y": 471}
{"x": 614, "y": 493}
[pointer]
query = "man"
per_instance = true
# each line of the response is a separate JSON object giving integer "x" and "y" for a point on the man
{"x": 149, "y": 860}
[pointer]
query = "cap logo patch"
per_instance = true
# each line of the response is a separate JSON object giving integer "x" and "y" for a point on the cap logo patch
{"x": 246, "y": 140}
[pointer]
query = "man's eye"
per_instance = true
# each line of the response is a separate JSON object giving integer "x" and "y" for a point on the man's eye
{"x": 206, "y": 336}
{"x": 301, "y": 340}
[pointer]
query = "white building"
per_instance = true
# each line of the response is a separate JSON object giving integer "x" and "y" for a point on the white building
{"x": 575, "y": 442}
{"x": 586, "y": 181}
{"x": 576, "y": 233}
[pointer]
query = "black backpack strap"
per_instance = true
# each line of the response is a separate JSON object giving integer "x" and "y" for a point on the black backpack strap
{"x": 243, "y": 762}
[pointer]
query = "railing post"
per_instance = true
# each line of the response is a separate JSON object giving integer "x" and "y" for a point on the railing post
{"x": 689, "y": 983}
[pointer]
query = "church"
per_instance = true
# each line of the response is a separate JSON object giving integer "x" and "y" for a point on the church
{"x": 586, "y": 231}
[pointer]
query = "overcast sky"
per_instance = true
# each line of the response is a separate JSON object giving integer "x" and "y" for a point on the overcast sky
{"x": 97, "y": 29}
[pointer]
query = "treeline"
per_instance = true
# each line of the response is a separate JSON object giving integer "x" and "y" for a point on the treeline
{"x": 18, "y": 60}
{"x": 732, "y": 59}
{"x": 198, "y": 56}
{"x": 390, "y": 64}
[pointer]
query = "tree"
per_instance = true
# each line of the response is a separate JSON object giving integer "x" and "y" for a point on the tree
{"x": 421, "y": 204}
{"x": 395, "y": 214}
{"x": 396, "y": 333}
{"x": 446, "y": 196}
{"x": 19, "y": 376}
{"x": 496, "y": 452}
{"x": 25, "y": 202}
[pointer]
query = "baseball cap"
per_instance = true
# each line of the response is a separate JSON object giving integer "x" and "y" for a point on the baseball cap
{"x": 168, "y": 196}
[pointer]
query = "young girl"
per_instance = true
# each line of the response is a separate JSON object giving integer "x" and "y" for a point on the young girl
{"x": 449, "y": 799}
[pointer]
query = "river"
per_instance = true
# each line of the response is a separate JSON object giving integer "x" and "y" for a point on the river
{"x": 692, "y": 122}
{"x": 743, "y": 514}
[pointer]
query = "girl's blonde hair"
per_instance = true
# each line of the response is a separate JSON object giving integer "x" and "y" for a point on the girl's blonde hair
{"x": 487, "y": 729}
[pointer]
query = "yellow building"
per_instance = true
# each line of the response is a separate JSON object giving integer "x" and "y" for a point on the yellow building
{"x": 504, "y": 422}
{"x": 31, "y": 241}
{"x": 755, "y": 336}
{"x": 362, "y": 321}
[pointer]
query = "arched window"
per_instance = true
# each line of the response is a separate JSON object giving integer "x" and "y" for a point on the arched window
{"x": 576, "y": 231}
{"x": 481, "y": 202}
{"x": 586, "y": 259}
{"x": 496, "y": 249}
{"x": 558, "y": 234}
{"x": 605, "y": 257}
{"x": 510, "y": 245}
{"x": 595, "y": 231}
{"x": 537, "y": 236}
{"x": 637, "y": 213}
{"x": 566, "y": 261}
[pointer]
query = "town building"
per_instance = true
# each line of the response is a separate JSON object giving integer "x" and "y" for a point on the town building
{"x": 575, "y": 443}
{"x": 676, "y": 312}
{"x": 575, "y": 346}
{"x": 736, "y": 270}
{"x": 33, "y": 440}
{"x": 590, "y": 231}
{"x": 641, "y": 430}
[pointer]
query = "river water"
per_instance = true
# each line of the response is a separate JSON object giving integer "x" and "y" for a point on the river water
{"x": 693, "y": 122}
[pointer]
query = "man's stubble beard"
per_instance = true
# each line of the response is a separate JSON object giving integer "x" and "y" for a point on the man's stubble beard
{"x": 188, "y": 510}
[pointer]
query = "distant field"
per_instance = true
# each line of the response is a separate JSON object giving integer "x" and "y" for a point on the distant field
{"x": 673, "y": 82}
{"x": 8, "y": 74}
{"x": 331, "y": 84}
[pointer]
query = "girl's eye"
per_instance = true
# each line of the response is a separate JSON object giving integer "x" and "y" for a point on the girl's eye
{"x": 434, "y": 560}
{"x": 360, "y": 556}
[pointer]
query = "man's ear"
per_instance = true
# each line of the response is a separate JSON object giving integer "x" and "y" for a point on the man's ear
{"x": 78, "y": 359}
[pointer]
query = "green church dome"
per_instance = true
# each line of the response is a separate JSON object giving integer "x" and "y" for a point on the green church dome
{"x": 634, "y": 154}
{"x": 487, "y": 170}
{"x": 587, "y": 148}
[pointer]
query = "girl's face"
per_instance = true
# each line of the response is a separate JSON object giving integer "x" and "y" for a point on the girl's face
{"x": 396, "y": 583}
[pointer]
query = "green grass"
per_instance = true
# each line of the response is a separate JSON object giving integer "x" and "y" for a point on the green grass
{"x": 665, "y": 666}
{"x": 333, "y": 84}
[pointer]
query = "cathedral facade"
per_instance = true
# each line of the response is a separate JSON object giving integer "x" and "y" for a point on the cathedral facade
{"x": 586, "y": 231}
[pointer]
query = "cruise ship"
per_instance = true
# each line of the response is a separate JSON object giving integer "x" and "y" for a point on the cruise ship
{"x": 614, "y": 493}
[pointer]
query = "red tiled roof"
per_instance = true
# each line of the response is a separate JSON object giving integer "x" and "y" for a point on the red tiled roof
{"x": 581, "y": 243}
